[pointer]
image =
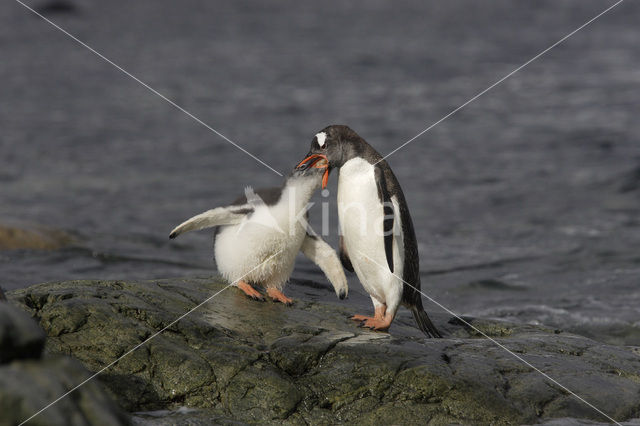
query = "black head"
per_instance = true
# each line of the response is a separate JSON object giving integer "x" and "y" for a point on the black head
{"x": 338, "y": 144}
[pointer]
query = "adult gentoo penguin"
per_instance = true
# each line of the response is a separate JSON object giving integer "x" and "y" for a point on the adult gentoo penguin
{"x": 377, "y": 237}
{"x": 259, "y": 235}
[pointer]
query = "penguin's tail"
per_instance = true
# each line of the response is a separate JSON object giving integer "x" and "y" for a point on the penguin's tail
{"x": 424, "y": 322}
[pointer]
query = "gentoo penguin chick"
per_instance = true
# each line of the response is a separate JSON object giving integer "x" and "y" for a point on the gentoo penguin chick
{"x": 377, "y": 237}
{"x": 259, "y": 235}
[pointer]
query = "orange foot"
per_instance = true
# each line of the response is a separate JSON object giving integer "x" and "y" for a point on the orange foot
{"x": 378, "y": 316}
{"x": 360, "y": 318}
{"x": 250, "y": 291}
{"x": 278, "y": 296}
{"x": 378, "y": 324}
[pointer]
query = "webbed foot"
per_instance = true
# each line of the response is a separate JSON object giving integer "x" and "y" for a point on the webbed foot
{"x": 378, "y": 324}
{"x": 360, "y": 318}
{"x": 278, "y": 296}
{"x": 250, "y": 291}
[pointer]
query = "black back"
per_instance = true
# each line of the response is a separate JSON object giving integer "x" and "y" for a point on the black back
{"x": 411, "y": 266}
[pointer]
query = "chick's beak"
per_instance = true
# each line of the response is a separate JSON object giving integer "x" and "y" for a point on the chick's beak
{"x": 318, "y": 161}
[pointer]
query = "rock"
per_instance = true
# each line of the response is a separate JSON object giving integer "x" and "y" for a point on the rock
{"x": 20, "y": 336}
{"x": 181, "y": 416}
{"x": 38, "y": 238}
{"x": 234, "y": 359}
{"x": 28, "y": 383}
{"x": 28, "y": 386}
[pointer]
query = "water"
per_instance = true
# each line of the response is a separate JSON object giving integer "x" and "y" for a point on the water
{"x": 526, "y": 203}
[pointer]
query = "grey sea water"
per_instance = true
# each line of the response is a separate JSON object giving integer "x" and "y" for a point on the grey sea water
{"x": 526, "y": 203}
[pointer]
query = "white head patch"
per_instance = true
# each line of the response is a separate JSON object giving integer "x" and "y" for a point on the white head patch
{"x": 322, "y": 136}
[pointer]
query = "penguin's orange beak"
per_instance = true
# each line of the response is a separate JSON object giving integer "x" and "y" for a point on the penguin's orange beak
{"x": 318, "y": 161}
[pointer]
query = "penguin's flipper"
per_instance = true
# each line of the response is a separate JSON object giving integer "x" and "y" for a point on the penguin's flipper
{"x": 344, "y": 256}
{"x": 387, "y": 222}
{"x": 321, "y": 253}
{"x": 230, "y": 215}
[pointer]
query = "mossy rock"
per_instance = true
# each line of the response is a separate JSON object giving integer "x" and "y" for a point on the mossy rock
{"x": 234, "y": 359}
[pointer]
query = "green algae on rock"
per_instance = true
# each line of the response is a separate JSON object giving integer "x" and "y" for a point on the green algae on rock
{"x": 262, "y": 362}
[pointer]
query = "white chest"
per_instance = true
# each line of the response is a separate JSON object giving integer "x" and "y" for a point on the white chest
{"x": 359, "y": 208}
{"x": 357, "y": 191}
{"x": 361, "y": 215}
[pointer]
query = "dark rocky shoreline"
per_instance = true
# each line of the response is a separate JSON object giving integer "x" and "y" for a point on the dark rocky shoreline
{"x": 238, "y": 360}
{"x": 30, "y": 380}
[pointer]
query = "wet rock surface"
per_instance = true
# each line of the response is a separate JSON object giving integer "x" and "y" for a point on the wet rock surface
{"x": 237, "y": 360}
{"x": 27, "y": 386}
{"x": 29, "y": 381}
